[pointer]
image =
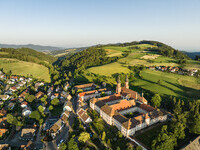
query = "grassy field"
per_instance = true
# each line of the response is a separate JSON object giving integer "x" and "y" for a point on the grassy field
{"x": 159, "y": 82}
{"x": 25, "y": 68}
{"x": 117, "y": 50}
{"x": 169, "y": 84}
{"x": 109, "y": 69}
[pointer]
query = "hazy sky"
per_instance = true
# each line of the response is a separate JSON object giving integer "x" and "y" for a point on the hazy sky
{"x": 88, "y": 22}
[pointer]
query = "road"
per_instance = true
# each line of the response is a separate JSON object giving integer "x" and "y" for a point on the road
{"x": 63, "y": 135}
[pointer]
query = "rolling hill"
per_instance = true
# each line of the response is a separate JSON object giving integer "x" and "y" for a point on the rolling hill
{"x": 25, "y": 68}
{"x": 32, "y": 46}
{"x": 146, "y": 53}
{"x": 26, "y": 62}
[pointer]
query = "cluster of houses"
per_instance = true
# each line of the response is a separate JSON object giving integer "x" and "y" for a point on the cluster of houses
{"x": 53, "y": 126}
{"x": 86, "y": 92}
{"x": 11, "y": 85}
{"x": 13, "y": 95}
{"x": 178, "y": 70}
{"x": 116, "y": 108}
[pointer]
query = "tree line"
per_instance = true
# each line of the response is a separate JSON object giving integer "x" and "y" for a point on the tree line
{"x": 26, "y": 54}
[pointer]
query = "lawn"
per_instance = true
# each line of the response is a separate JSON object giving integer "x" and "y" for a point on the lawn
{"x": 109, "y": 69}
{"x": 25, "y": 68}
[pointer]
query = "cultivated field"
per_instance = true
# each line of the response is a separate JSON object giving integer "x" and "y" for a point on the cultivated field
{"x": 25, "y": 68}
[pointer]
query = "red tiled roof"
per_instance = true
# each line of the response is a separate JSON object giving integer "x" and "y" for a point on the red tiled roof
{"x": 123, "y": 104}
{"x": 39, "y": 94}
{"x": 84, "y": 85}
{"x": 146, "y": 107}
{"x": 2, "y": 132}
{"x": 87, "y": 93}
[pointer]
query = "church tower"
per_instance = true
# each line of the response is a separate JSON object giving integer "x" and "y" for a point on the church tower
{"x": 118, "y": 88}
{"x": 126, "y": 82}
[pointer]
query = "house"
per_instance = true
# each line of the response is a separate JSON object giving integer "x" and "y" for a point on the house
{"x": 4, "y": 97}
{"x": 3, "y": 76}
{"x": 3, "y": 132}
{"x": 5, "y": 147}
{"x": 193, "y": 145}
{"x": 54, "y": 96}
{"x": 10, "y": 82}
{"x": 23, "y": 94}
{"x": 13, "y": 89}
{"x": 82, "y": 114}
{"x": 24, "y": 104}
{"x": 3, "y": 122}
{"x": 67, "y": 106}
{"x": 27, "y": 134}
{"x": 151, "y": 67}
{"x": 11, "y": 106}
{"x": 66, "y": 86}
{"x": 84, "y": 96}
{"x": 56, "y": 128}
{"x": 38, "y": 84}
{"x": 65, "y": 115}
{"x": 3, "y": 112}
{"x": 50, "y": 122}
{"x": 26, "y": 111}
{"x": 39, "y": 95}
{"x": 86, "y": 87}
{"x": 21, "y": 78}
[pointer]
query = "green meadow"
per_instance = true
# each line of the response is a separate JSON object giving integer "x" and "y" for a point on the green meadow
{"x": 155, "y": 81}
{"x": 25, "y": 68}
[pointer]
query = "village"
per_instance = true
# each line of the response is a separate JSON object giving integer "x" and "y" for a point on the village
{"x": 39, "y": 115}
{"x": 176, "y": 70}
{"x": 29, "y": 113}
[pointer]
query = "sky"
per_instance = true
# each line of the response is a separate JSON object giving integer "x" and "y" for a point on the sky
{"x": 76, "y": 23}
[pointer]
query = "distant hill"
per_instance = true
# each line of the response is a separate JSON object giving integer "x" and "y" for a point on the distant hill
{"x": 192, "y": 54}
{"x": 26, "y": 54}
{"x": 32, "y": 46}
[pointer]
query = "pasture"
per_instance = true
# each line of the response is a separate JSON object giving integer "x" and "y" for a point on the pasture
{"x": 25, "y": 68}
{"x": 109, "y": 69}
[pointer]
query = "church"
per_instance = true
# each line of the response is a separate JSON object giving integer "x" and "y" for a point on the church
{"x": 116, "y": 109}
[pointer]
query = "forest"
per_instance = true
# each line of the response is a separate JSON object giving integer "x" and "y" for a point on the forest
{"x": 26, "y": 54}
{"x": 93, "y": 56}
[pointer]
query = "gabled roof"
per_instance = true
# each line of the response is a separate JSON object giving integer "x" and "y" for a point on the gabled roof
{"x": 84, "y": 85}
{"x": 27, "y": 132}
{"x": 99, "y": 104}
{"x": 56, "y": 126}
{"x": 120, "y": 118}
{"x": 108, "y": 110}
{"x": 39, "y": 94}
{"x": 146, "y": 107}
{"x": 194, "y": 145}
{"x": 123, "y": 104}
{"x": 83, "y": 115}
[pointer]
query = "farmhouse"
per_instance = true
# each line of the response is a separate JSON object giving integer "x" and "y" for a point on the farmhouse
{"x": 114, "y": 109}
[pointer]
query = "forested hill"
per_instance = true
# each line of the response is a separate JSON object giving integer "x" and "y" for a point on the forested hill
{"x": 32, "y": 46}
{"x": 93, "y": 56}
{"x": 26, "y": 54}
{"x": 161, "y": 48}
